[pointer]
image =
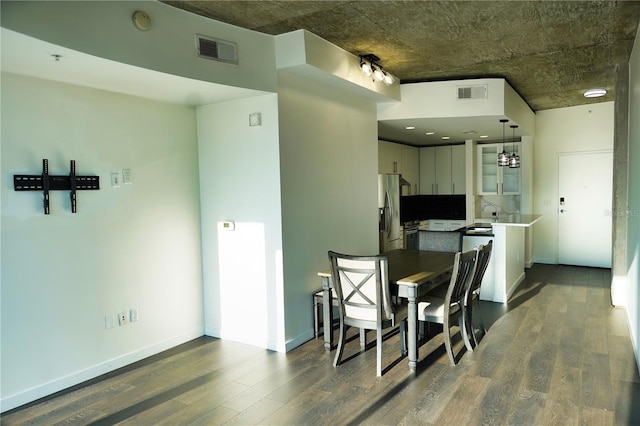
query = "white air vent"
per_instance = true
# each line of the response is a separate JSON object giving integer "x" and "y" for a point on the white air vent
{"x": 217, "y": 50}
{"x": 472, "y": 92}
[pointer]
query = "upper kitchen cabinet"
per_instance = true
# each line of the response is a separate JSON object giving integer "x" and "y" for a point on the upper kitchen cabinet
{"x": 402, "y": 159}
{"x": 389, "y": 157}
{"x": 494, "y": 179}
{"x": 442, "y": 170}
{"x": 458, "y": 169}
{"x": 410, "y": 169}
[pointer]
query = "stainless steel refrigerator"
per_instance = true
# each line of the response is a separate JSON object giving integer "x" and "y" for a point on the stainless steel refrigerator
{"x": 389, "y": 211}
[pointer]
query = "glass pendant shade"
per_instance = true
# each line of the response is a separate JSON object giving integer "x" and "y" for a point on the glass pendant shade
{"x": 514, "y": 160}
{"x": 503, "y": 157}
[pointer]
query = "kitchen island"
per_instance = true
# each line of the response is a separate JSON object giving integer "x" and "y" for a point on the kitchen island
{"x": 506, "y": 269}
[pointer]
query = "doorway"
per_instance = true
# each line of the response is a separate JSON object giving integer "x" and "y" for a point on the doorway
{"x": 585, "y": 189}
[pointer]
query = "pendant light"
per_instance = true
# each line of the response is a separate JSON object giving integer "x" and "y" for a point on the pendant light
{"x": 514, "y": 160}
{"x": 503, "y": 157}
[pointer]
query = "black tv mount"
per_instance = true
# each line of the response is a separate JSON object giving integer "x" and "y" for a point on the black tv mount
{"x": 46, "y": 183}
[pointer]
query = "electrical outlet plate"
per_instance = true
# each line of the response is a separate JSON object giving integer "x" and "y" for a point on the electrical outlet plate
{"x": 133, "y": 314}
{"x": 109, "y": 320}
{"x": 122, "y": 318}
{"x": 127, "y": 176}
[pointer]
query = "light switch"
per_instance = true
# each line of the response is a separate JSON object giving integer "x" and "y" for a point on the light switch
{"x": 115, "y": 179}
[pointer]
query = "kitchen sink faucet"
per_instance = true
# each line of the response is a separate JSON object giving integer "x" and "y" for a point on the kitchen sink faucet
{"x": 495, "y": 207}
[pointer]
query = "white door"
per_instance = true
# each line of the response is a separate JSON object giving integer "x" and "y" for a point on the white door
{"x": 584, "y": 211}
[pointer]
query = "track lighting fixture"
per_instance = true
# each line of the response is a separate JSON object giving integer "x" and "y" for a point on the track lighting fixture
{"x": 370, "y": 65}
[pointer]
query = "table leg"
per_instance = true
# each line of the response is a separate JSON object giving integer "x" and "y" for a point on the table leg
{"x": 412, "y": 338}
{"x": 327, "y": 314}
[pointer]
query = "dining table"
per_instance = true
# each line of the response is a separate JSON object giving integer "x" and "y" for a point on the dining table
{"x": 412, "y": 273}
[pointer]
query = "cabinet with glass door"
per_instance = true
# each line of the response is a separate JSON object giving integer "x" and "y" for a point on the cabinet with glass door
{"x": 494, "y": 179}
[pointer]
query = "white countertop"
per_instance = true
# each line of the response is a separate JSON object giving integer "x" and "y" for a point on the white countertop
{"x": 524, "y": 220}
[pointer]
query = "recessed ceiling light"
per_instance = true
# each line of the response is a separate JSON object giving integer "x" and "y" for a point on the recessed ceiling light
{"x": 484, "y": 136}
{"x": 429, "y": 133}
{"x": 445, "y": 138}
{"x": 410, "y": 127}
{"x": 595, "y": 93}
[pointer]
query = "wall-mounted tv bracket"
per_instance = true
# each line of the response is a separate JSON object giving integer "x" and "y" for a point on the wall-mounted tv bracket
{"x": 46, "y": 183}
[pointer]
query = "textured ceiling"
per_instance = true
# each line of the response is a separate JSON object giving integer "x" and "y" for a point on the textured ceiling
{"x": 548, "y": 51}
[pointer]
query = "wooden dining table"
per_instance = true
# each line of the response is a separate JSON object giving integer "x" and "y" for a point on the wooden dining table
{"x": 414, "y": 273}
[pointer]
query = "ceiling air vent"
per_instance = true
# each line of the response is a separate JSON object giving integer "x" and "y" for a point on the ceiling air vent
{"x": 472, "y": 92}
{"x": 217, "y": 50}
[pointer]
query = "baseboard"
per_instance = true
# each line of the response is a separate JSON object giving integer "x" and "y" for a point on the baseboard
{"x": 269, "y": 344}
{"x": 546, "y": 261}
{"x": 16, "y": 400}
{"x": 516, "y": 285}
{"x": 299, "y": 340}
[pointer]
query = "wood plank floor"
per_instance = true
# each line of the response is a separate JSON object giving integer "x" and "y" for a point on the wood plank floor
{"x": 557, "y": 354}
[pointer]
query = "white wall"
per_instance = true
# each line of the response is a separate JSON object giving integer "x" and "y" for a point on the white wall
{"x": 633, "y": 224}
{"x": 136, "y": 246}
{"x": 563, "y": 130}
{"x": 104, "y": 29}
{"x": 329, "y": 169}
{"x": 240, "y": 182}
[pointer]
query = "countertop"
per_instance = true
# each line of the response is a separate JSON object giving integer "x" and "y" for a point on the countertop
{"x": 524, "y": 220}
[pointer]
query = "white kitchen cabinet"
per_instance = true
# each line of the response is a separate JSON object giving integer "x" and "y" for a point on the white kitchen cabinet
{"x": 410, "y": 169}
{"x": 458, "y": 170}
{"x": 402, "y": 159}
{"x": 494, "y": 179}
{"x": 442, "y": 170}
{"x": 389, "y": 157}
{"x": 445, "y": 224}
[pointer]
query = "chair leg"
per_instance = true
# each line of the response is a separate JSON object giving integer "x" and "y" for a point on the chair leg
{"x": 464, "y": 331}
{"x": 363, "y": 339}
{"x": 473, "y": 337}
{"x": 341, "y": 341}
{"x": 403, "y": 338}
{"x": 379, "y": 351}
{"x": 447, "y": 341}
{"x": 316, "y": 316}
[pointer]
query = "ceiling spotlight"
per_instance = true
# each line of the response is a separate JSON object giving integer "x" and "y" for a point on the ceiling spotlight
{"x": 429, "y": 133}
{"x": 370, "y": 65}
{"x": 388, "y": 79}
{"x": 365, "y": 67}
{"x": 595, "y": 93}
{"x": 445, "y": 138}
{"x": 410, "y": 128}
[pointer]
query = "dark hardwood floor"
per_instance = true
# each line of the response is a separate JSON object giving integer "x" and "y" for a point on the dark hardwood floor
{"x": 556, "y": 354}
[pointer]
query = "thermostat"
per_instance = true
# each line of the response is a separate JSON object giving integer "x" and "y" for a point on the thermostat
{"x": 228, "y": 226}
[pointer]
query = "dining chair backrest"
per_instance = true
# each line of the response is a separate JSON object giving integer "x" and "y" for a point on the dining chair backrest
{"x": 462, "y": 277}
{"x": 482, "y": 261}
{"x": 446, "y": 241}
{"x": 361, "y": 284}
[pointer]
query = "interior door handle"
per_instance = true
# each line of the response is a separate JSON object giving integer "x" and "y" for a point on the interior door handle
{"x": 563, "y": 211}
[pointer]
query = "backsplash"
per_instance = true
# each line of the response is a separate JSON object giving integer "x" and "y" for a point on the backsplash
{"x": 423, "y": 207}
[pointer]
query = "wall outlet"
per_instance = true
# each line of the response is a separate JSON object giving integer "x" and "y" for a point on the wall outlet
{"x": 133, "y": 314}
{"x": 122, "y": 318}
{"x": 127, "y": 176}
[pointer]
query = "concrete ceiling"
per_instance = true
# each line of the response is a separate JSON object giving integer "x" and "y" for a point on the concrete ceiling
{"x": 550, "y": 52}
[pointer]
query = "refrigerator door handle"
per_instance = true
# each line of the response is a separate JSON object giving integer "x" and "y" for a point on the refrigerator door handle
{"x": 389, "y": 208}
